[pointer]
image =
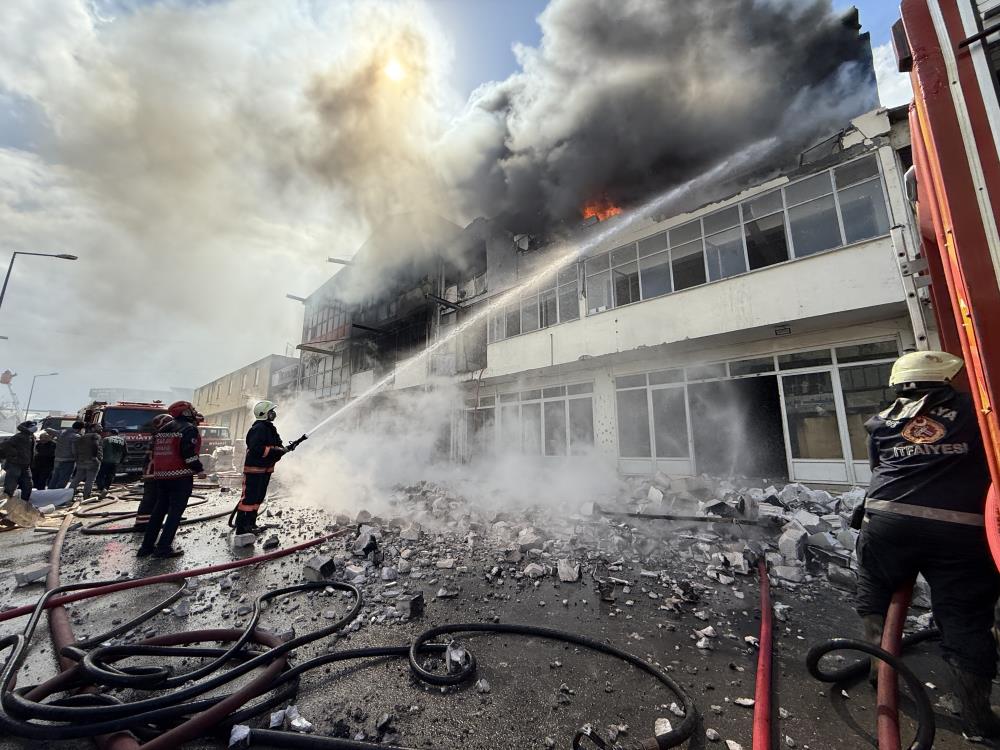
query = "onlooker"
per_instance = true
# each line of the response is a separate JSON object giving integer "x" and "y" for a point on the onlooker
{"x": 18, "y": 452}
{"x": 88, "y": 452}
{"x": 62, "y": 470}
{"x": 45, "y": 456}
{"x": 113, "y": 447}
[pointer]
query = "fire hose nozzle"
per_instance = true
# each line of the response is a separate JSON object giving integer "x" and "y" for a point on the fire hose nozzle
{"x": 295, "y": 443}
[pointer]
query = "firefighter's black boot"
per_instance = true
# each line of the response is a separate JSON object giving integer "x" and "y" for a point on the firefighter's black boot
{"x": 873, "y": 627}
{"x": 978, "y": 719}
{"x": 246, "y": 522}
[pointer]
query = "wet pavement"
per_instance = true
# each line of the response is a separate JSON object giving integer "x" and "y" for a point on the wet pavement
{"x": 539, "y": 692}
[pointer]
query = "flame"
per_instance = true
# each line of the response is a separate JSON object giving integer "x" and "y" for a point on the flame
{"x": 601, "y": 208}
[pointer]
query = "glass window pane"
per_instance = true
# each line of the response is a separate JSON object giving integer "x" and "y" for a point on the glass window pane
{"x": 531, "y": 395}
{"x": 685, "y": 233}
{"x": 506, "y": 398}
{"x": 653, "y": 244}
{"x": 513, "y": 323}
{"x": 622, "y": 255}
{"x": 581, "y": 426}
{"x": 804, "y": 190}
{"x": 529, "y": 314}
{"x": 862, "y": 352}
{"x": 487, "y": 400}
{"x": 630, "y": 381}
{"x": 580, "y": 388}
{"x": 866, "y": 393}
{"x": 510, "y": 427}
{"x": 633, "y": 424}
{"x": 654, "y": 275}
{"x": 725, "y": 254}
{"x": 569, "y": 307}
{"x": 666, "y": 376}
{"x": 553, "y": 392}
{"x": 687, "y": 265}
{"x": 600, "y": 263}
{"x": 531, "y": 428}
{"x": 599, "y": 292}
{"x": 702, "y": 372}
{"x": 547, "y": 308}
{"x": 812, "y": 417}
{"x": 568, "y": 275}
{"x": 766, "y": 241}
{"x": 555, "y": 428}
{"x": 496, "y": 326}
{"x": 814, "y": 226}
{"x": 856, "y": 171}
{"x": 751, "y": 366}
{"x": 762, "y": 206}
{"x": 626, "y": 283}
{"x": 863, "y": 209}
{"x": 727, "y": 217}
{"x": 670, "y": 423}
{"x": 480, "y": 430}
{"x": 815, "y": 358}
{"x": 547, "y": 282}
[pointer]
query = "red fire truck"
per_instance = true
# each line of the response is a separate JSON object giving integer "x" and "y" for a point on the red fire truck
{"x": 951, "y": 49}
{"x": 133, "y": 420}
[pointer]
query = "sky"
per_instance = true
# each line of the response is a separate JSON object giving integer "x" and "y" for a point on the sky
{"x": 179, "y": 187}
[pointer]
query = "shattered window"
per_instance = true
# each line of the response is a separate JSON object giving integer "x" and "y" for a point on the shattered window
{"x": 725, "y": 254}
{"x": 814, "y": 226}
{"x": 569, "y": 306}
{"x": 599, "y": 292}
{"x": 863, "y": 210}
{"x": 626, "y": 283}
{"x": 513, "y": 319}
{"x": 766, "y": 240}
{"x": 687, "y": 265}
{"x": 866, "y": 392}
{"x": 812, "y": 416}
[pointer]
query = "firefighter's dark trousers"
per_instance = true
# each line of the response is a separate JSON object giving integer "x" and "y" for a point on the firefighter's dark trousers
{"x": 254, "y": 490}
{"x": 955, "y": 560}
{"x": 147, "y": 503}
{"x": 172, "y": 497}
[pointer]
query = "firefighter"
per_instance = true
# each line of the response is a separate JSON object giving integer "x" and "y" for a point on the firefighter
{"x": 148, "y": 485}
{"x": 924, "y": 514}
{"x": 176, "y": 449}
{"x": 264, "y": 450}
{"x": 18, "y": 453}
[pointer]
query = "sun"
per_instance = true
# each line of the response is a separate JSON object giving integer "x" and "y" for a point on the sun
{"x": 394, "y": 70}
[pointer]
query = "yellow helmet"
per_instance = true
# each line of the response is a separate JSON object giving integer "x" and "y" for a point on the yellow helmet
{"x": 263, "y": 409}
{"x": 925, "y": 367}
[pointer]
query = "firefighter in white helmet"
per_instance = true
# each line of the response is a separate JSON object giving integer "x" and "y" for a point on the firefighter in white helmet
{"x": 924, "y": 514}
{"x": 264, "y": 450}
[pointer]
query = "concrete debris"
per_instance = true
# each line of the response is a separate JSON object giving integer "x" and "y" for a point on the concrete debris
{"x": 319, "y": 568}
{"x": 839, "y": 575}
{"x": 389, "y": 573}
{"x": 366, "y": 541}
{"x": 745, "y": 702}
{"x": 355, "y": 573}
{"x": 704, "y": 644}
{"x": 277, "y": 720}
{"x": 410, "y": 606}
{"x": 569, "y": 572}
{"x": 244, "y": 540}
{"x": 239, "y": 737}
{"x": 790, "y": 573}
{"x": 482, "y": 686}
{"x": 181, "y": 608}
{"x": 272, "y": 542}
{"x": 661, "y": 727}
{"x": 528, "y": 539}
{"x": 33, "y": 574}
{"x": 654, "y": 495}
{"x": 411, "y": 533}
{"x": 446, "y": 593}
{"x": 447, "y": 563}
{"x": 733, "y": 745}
{"x": 295, "y": 721}
{"x": 534, "y": 570}
{"x": 712, "y": 736}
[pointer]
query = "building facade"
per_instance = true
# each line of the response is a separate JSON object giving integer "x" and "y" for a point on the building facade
{"x": 227, "y": 401}
{"x": 752, "y": 336}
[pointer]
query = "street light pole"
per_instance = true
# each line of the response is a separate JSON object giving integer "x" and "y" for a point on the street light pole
{"x": 10, "y": 267}
{"x": 32, "y": 391}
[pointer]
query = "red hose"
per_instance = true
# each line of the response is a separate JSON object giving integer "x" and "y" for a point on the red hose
{"x": 762, "y": 696}
{"x": 888, "y": 685}
{"x": 131, "y": 583}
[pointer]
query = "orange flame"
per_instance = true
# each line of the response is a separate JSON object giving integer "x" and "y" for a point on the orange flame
{"x": 601, "y": 208}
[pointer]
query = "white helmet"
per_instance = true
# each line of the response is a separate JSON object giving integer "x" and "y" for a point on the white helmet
{"x": 925, "y": 367}
{"x": 264, "y": 409}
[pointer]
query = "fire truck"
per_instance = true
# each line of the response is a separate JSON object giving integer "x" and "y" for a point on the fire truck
{"x": 951, "y": 50}
{"x": 133, "y": 420}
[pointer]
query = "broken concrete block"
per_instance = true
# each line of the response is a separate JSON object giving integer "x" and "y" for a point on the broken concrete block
{"x": 569, "y": 572}
{"x": 277, "y": 720}
{"x": 794, "y": 494}
{"x": 810, "y": 521}
{"x": 847, "y": 538}
{"x": 529, "y": 538}
{"x": 823, "y": 540}
{"x": 366, "y": 541}
{"x": 411, "y": 532}
{"x": 354, "y": 573}
{"x": 662, "y": 481}
{"x": 239, "y": 737}
{"x": 789, "y": 573}
{"x": 534, "y": 570}
{"x": 272, "y": 542}
{"x": 839, "y": 575}
{"x": 244, "y": 540}
{"x": 389, "y": 573}
{"x": 446, "y": 563}
{"x": 295, "y": 721}
{"x": 654, "y": 495}
{"x": 46, "y": 509}
{"x": 791, "y": 544}
{"x": 404, "y": 567}
{"x": 32, "y": 574}
{"x": 181, "y": 608}
{"x": 319, "y": 568}
{"x": 411, "y": 606}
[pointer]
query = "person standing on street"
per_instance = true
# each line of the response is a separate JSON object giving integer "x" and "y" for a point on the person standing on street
{"x": 45, "y": 456}
{"x": 62, "y": 469}
{"x": 148, "y": 501}
{"x": 176, "y": 450}
{"x": 264, "y": 450}
{"x": 18, "y": 453}
{"x": 924, "y": 513}
{"x": 113, "y": 447}
{"x": 88, "y": 453}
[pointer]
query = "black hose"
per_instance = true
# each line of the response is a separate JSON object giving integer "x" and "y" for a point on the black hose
{"x": 924, "y": 737}
{"x": 98, "y": 527}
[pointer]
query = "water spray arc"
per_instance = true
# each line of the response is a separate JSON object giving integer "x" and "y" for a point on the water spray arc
{"x": 569, "y": 253}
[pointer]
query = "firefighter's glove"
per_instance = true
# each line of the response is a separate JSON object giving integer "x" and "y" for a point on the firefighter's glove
{"x": 197, "y": 468}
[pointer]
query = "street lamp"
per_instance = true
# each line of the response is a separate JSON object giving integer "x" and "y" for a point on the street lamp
{"x": 63, "y": 256}
{"x": 32, "y": 391}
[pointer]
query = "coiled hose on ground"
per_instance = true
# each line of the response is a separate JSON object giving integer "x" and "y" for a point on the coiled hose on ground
{"x": 79, "y": 701}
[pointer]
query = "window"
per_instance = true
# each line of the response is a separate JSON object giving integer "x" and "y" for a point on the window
{"x": 580, "y": 388}
{"x": 229, "y": 387}
{"x": 581, "y": 425}
{"x": 798, "y": 360}
{"x": 751, "y": 366}
{"x": 812, "y": 416}
{"x": 625, "y": 275}
{"x": 531, "y": 428}
{"x": 630, "y": 381}
{"x": 599, "y": 292}
{"x": 862, "y": 352}
{"x": 724, "y": 252}
{"x": 863, "y": 209}
{"x": 687, "y": 265}
{"x": 243, "y": 382}
{"x": 814, "y": 226}
{"x": 703, "y": 372}
{"x": 555, "y": 428}
{"x": 866, "y": 393}
{"x": 670, "y": 422}
{"x": 766, "y": 240}
{"x": 633, "y": 424}
{"x": 666, "y": 376}
{"x": 529, "y": 314}
{"x": 256, "y": 376}
{"x": 513, "y": 319}
{"x": 568, "y": 294}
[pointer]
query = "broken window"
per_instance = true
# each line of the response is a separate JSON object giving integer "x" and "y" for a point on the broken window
{"x": 569, "y": 294}
{"x": 863, "y": 209}
{"x": 687, "y": 265}
{"x": 796, "y": 360}
{"x": 866, "y": 392}
{"x": 599, "y": 296}
{"x": 633, "y": 424}
{"x": 626, "y": 283}
{"x": 812, "y": 215}
{"x": 766, "y": 240}
{"x": 862, "y": 352}
{"x": 670, "y": 422}
{"x": 751, "y": 366}
{"x": 654, "y": 266}
{"x": 724, "y": 252}
{"x": 812, "y": 416}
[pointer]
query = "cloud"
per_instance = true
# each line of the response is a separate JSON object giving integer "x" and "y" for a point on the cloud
{"x": 893, "y": 87}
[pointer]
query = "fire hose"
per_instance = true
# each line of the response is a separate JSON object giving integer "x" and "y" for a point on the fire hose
{"x": 186, "y": 713}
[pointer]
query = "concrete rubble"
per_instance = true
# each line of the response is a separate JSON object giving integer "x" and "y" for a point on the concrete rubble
{"x": 33, "y": 574}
